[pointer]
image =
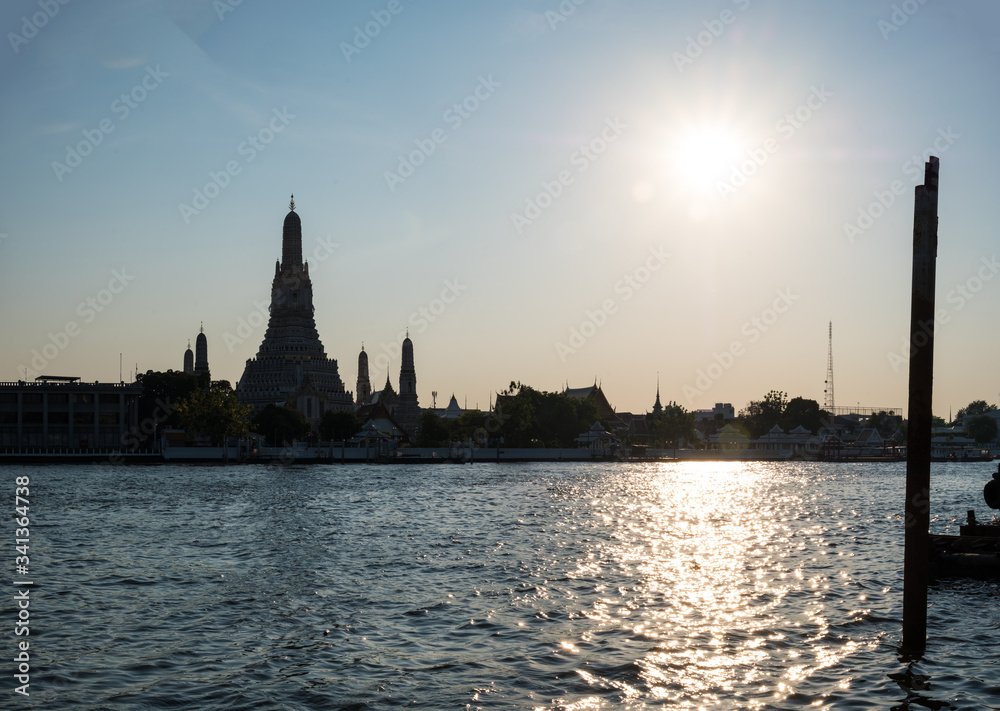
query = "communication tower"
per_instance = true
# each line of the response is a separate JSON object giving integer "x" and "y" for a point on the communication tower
{"x": 828, "y": 389}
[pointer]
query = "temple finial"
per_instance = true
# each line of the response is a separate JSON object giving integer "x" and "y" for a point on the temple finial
{"x": 291, "y": 203}
{"x": 202, "y": 327}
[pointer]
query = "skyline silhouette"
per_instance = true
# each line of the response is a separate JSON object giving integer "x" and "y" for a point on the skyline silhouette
{"x": 542, "y": 192}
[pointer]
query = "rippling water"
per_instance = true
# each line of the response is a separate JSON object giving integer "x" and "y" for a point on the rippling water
{"x": 533, "y": 586}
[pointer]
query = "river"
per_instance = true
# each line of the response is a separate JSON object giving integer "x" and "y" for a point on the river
{"x": 743, "y": 585}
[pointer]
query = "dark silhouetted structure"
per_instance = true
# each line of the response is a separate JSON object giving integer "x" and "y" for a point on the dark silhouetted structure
{"x": 291, "y": 367}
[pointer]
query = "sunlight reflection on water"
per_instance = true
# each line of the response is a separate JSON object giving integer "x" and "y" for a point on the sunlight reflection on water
{"x": 725, "y": 556}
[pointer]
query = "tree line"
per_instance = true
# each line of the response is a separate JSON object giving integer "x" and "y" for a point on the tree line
{"x": 200, "y": 406}
{"x": 522, "y": 417}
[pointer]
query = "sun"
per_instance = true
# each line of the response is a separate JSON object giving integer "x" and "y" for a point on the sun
{"x": 699, "y": 158}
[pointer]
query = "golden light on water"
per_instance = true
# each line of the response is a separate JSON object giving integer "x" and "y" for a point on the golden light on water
{"x": 724, "y": 556}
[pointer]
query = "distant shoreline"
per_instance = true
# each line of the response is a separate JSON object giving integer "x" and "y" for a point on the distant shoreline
{"x": 358, "y": 455}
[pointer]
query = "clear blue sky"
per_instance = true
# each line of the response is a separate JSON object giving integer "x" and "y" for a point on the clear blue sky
{"x": 691, "y": 168}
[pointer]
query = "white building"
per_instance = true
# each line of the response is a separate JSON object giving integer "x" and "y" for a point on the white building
{"x": 721, "y": 408}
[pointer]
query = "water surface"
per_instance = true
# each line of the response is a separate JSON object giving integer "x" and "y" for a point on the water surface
{"x": 520, "y": 586}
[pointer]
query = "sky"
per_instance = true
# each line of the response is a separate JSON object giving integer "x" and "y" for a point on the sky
{"x": 543, "y": 191}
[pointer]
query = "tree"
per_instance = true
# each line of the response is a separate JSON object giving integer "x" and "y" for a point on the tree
{"x": 802, "y": 412}
{"x": 536, "y": 418}
{"x": 982, "y": 428}
{"x": 519, "y": 413}
{"x": 467, "y": 425}
{"x": 886, "y": 423}
{"x": 761, "y": 415}
{"x": 560, "y": 419}
{"x": 162, "y": 392}
{"x": 338, "y": 425}
{"x": 280, "y": 425}
{"x": 433, "y": 431}
{"x": 214, "y": 412}
{"x": 976, "y": 407}
{"x": 673, "y": 425}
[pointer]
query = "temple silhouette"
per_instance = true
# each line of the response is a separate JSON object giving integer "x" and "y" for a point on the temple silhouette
{"x": 292, "y": 367}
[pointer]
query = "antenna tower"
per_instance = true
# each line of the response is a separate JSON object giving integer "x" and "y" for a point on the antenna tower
{"x": 828, "y": 389}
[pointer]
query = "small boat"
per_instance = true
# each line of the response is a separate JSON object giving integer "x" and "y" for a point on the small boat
{"x": 975, "y": 552}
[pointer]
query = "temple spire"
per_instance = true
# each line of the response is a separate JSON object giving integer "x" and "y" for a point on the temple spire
{"x": 291, "y": 239}
{"x": 291, "y": 365}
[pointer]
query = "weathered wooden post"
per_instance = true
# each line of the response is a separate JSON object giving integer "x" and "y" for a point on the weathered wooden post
{"x": 916, "y": 554}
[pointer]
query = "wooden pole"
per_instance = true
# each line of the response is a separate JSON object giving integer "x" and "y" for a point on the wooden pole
{"x": 916, "y": 553}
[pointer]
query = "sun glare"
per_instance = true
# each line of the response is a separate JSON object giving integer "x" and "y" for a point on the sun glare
{"x": 701, "y": 158}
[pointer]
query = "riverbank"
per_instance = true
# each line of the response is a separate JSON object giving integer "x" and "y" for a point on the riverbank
{"x": 336, "y": 453}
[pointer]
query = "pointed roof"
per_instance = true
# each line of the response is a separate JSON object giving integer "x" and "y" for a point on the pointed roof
{"x": 729, "y": 435}
{"x": 596, "y": 433}
{"x": 379, "y": 423}
{"x": 369, "y": 432}
{"x": 291, "y": 238}
{"x": 594, "y": 392}
{"x": 869, "y": 435}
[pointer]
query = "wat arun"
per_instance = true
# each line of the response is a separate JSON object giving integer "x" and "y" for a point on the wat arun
{"x": 291, "y": 367}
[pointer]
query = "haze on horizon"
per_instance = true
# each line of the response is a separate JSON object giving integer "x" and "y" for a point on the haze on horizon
{"x": 545, "y": 191}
